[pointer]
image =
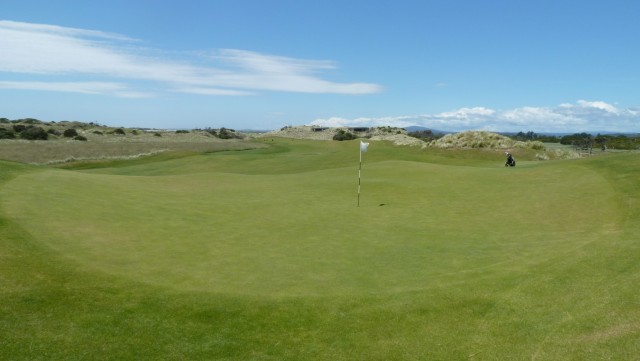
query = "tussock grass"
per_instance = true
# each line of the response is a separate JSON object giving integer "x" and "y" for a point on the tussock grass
{"x": 483, "y": 139}
{"x": 100, "y": 147}
{"x": 263, "y": 254}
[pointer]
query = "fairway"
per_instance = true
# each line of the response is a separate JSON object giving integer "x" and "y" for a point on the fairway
{"x": 264, "y": 254}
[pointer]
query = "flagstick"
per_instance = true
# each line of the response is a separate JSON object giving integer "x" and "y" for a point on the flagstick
{"x": 359, "y": 170}
{"x": 363, "y": 147}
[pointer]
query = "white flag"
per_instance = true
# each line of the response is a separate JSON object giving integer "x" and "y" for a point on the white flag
{"x": 363, "y": 146}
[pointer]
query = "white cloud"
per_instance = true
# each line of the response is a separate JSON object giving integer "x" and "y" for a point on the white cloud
{"x": 598, "y": 105}
{"x": 211, "y": 91}
{"x": 115, "y": 89}
{"x": 578, "y": 117}
{"x": 364, "y": 122}
{"x": 467, "y": 113}
{"x": 48, "y": 51}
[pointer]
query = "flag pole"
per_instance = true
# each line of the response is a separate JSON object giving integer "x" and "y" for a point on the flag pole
{"x": 363, "y": 148}
{"x": 359, "y": 170}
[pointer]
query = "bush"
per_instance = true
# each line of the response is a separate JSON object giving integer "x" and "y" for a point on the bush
{"x": 156, "y": 134}
{"x": 536, "y": 145}
{"x": 80, "y": 138}
{"x": 70, "y": 133}
{"x": 6, "y": 134}
{"x": 119, "y": 131}
{"x": 425, "y": 135}
{"x": 211, "y": 131}
{"x": 34, "y": 133}
{"x": 181, "y": 131}
{"x": 225, "y": 133}
{"x": 52, "y": 131}
{"x": 343, "y": 135}
{"x": 18, "y": 128}
{"x": 30, "y": 121}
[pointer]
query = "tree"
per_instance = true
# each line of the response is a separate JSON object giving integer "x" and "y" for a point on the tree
{"x": 576, "y": 139}
{"x": 526, "y": 136}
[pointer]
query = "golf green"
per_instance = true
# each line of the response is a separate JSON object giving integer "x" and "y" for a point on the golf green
{"x": 418, "y": 224}
{"x": 264, "y": 254}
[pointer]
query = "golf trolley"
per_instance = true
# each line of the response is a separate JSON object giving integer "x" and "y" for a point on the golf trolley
{"x": 510, "y": 161}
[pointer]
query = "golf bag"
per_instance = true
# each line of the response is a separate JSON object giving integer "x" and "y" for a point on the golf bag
{"x": 510, "y": 161}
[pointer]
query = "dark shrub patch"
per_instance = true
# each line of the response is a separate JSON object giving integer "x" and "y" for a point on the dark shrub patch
{"x": 70, "y": 133}
{"x": 343, "y": 135}
{"x": 211, "y": 131}
{"x": 6, "y": 134}
{"x": 34, "y": 133}
{"x": 225, "y": 133}
{"x": 18, "y": 128}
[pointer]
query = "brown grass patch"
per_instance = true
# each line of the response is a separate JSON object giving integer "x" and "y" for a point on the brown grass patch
{"x": 112, "y": 147}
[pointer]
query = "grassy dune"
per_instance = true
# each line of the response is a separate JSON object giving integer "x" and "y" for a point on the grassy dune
{"x": 263, "y": 255}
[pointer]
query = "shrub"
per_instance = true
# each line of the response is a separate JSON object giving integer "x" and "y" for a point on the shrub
{"x": 34, "y": 133}
{"x": 225, "y": 133}
{"x": 181, "y": 131}
{"x": 18, "y": 128}
{"x": 6, "y": 134}
{"x": 98, "y": 132}
{"x": 425, "y": 135}
{"x": 80, "y": 138}
{"x": 211, "y": 131}
{"x": 542, "y": 156}
{"x": 536, "y": 145}
{"x": 31, "y": 121}
{"x": 156, "y": 134}
{"x": 70, "y": 133}
{"x": 53, "y": 131}
{"x": 119, "y": 131}
{"x": 343, "y": 135}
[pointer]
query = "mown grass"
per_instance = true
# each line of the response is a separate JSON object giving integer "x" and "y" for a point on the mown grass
{"x": 263, "y": 255}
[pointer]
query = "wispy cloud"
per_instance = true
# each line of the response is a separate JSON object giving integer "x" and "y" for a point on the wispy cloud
{"x": 51, "y": 53}
{"x": 94, "y": 87}
{"x": 580, "y": 116}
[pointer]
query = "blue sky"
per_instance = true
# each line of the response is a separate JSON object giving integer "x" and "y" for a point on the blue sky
{"x": 545, "y": 66}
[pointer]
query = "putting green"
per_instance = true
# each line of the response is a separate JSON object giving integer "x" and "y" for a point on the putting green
{"x": 298, "y": 232}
